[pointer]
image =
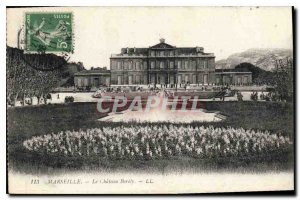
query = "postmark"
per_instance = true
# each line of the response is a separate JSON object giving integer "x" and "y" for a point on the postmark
{"x": 49, "y": 32}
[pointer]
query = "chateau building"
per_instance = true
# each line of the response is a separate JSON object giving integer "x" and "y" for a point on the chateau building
{"x": 162, "y": 64}
{"x": 233, "y": 77}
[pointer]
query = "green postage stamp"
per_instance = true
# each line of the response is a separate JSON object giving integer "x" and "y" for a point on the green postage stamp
{"x": 49, "y": 32}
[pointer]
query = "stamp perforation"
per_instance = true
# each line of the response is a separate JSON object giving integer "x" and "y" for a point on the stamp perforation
{"x": 72, "y": 45}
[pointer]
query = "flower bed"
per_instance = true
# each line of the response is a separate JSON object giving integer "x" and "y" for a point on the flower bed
{"x": 154, "y": 142}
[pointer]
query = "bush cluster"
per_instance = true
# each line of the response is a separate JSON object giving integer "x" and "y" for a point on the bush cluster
{"x": 69, "y": 99}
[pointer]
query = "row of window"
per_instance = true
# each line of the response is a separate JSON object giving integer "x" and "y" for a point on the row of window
{"x": 161, "y": 79}
{"x": 237, "y": 80}
{"x": 96, "y": 81}
{"x": 161, "y": 65}
{"x": 131, "y": 79}
{"x": 180, "y": 64}
{"x": 162, "y": 53}
{"x": 168, "y": 53}
{"x": 132, "y": 66}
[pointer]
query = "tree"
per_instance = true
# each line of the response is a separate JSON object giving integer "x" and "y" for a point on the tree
{"x": 284, "y": 80}
{"x": 31, "y": 74}
{"x": 68, "y": 74}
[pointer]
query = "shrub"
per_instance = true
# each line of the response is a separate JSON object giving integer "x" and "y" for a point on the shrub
{"x": 254, "y": 96}
{"x": 262, "y": 96}
{"x": 28, "y": 102}
{"x": 88, "y": 88}
{"x": 239, "y": 96}
{"x": 265, "y": 97}
{"x": 48, "y": 96}
{"x": 274, "y": 97}
{"x": 69, "y": 99}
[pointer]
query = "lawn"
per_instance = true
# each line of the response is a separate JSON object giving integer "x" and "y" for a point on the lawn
{"x": 25, "y": 122}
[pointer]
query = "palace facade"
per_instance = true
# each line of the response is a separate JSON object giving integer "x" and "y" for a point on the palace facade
{"x": 162, "y": 64}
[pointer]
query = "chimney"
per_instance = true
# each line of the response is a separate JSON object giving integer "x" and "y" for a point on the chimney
{"x": 199, "y": 49}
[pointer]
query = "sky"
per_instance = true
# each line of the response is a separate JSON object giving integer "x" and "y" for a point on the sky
{"x": 102, "y": 31}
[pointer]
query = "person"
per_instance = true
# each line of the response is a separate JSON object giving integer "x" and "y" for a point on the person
{"x": 227, "y": 91}
{"x": 262, "y": 96}
{"x": 239, "y": 96}
{"x": 57, "y": 96}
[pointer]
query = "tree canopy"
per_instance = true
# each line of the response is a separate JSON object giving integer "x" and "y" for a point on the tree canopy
{"x": 30, "y": 75}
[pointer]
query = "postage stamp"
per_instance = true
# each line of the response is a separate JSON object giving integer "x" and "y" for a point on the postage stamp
{"x": 49, "y": 32}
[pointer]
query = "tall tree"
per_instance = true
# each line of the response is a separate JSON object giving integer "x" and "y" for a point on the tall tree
{"x": 31, "y": 75}
{"x": 284, "y": 79}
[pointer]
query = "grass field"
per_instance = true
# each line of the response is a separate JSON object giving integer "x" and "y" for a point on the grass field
{"x": 25, "y": 122}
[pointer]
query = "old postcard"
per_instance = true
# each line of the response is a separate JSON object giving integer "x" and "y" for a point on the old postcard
{"x": 149, "y": 100}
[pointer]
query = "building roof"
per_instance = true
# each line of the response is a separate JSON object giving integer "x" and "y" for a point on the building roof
{"x": 142, "y": 51}
{"x": 93, "y": 72}
{"x": 163, "y": 46}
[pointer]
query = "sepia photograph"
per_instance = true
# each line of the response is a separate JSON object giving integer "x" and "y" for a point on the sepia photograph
{"x": 150, "y": 100}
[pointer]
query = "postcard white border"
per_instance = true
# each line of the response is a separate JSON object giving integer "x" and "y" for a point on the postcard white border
{"x": 5, "y": 3}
